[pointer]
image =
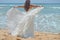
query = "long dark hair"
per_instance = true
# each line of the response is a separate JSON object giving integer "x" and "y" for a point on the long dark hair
{"x": 27, "y": 5}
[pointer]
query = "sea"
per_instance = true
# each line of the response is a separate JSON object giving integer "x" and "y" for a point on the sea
{"x": 48, "y": 20}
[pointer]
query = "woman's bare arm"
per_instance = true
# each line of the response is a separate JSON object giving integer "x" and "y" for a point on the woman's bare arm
{"x": 34, "y": 6}
{"x": 19, "y": 6}
{"x": 31, "y": 6}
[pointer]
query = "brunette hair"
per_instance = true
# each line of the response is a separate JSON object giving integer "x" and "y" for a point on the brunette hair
{"x": 27, "y": 5}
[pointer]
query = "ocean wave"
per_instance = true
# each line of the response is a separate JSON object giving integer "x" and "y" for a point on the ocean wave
{"x": 56, "y": 7}
{"x": 1, "y": 7}
{"x": 48, "y": 23}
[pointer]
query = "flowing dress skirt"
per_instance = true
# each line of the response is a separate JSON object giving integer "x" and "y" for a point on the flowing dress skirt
{"x": 21, "y": 24}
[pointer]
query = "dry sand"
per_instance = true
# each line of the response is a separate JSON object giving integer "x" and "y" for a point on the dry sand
{"x": 38, "y": 36}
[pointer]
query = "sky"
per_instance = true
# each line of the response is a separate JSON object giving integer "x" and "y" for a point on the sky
{"x": 32, "y": 1}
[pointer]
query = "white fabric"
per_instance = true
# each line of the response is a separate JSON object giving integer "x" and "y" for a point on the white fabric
{"x": 21, "y": 24}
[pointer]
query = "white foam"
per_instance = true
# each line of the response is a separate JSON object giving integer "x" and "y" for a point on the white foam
{"x": 56, "y": 7}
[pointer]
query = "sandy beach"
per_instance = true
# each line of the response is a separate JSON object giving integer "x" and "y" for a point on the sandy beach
{"x": 4, "y": 35}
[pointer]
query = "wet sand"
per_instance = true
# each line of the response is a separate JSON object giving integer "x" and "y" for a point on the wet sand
{"x": 4, "y": 35}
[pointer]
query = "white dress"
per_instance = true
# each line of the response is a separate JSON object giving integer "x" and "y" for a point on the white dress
{"x": 21, "y": 24}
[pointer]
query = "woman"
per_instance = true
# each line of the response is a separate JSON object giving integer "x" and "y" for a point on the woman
{"x": 22, "y": 24}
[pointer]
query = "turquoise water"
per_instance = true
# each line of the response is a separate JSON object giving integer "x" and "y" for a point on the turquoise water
{"x": 48, "y": 20}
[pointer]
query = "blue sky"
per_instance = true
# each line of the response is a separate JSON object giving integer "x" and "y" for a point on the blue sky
{"x": 33, "y": 1}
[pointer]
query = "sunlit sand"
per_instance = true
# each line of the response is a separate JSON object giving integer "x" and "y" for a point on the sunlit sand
{"x": 4, "y": 35}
